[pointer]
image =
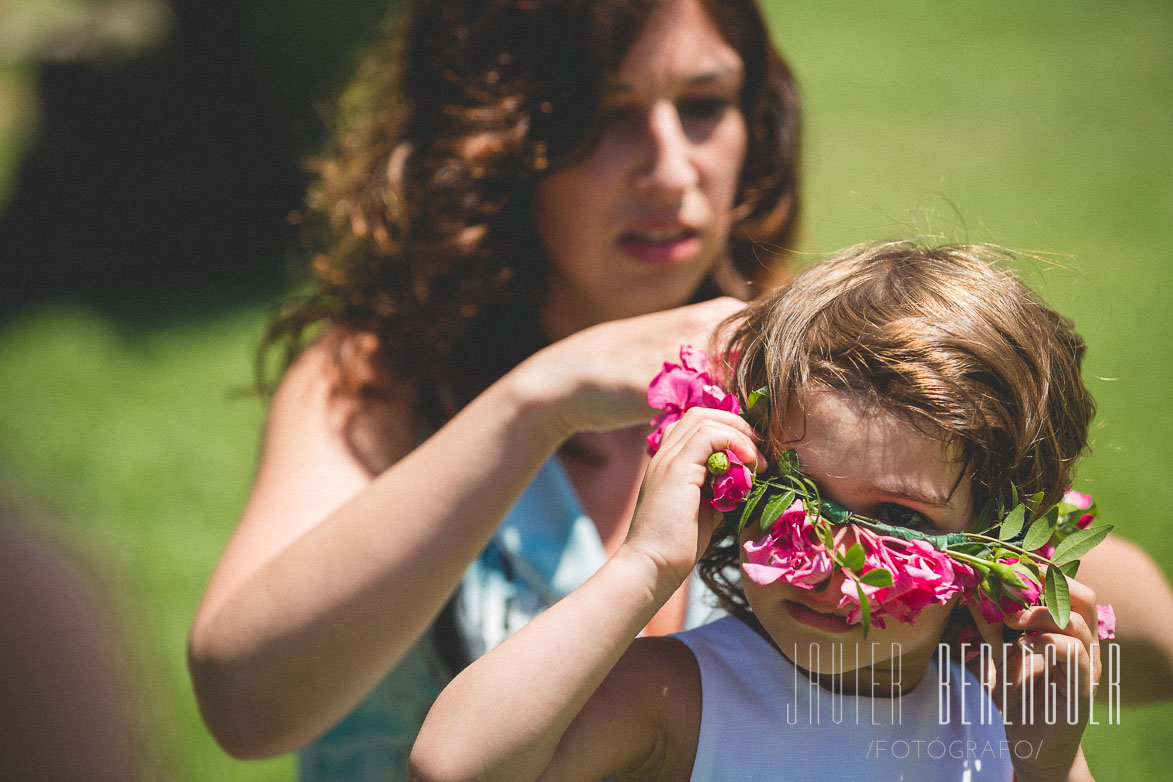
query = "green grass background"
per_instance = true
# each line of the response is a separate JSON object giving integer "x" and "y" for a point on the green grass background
{"x": 1043, "y": 125}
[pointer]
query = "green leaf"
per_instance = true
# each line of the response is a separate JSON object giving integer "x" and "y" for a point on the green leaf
{"x": 1079, "y": 543}
{"x": 774, "y": 508}
{"x": 1034, "y": 501}
{"x": 1057, "y": 597}
{"x": 1070, "y": 569}
{"x": 826, "y": 535}
{"x": 854, "y": 558}
{"x": 865, "y": 609}
{"x": 757, "y": 409}
{"x": 788, "y": 462}
{"x": 1012, "y": 524}
{"x": 751, "y": 502}
{"x": 985, "y": 517}
{"x": 832, "y": 512}
{"x": 877, "y": 578}
{"x": 1039, "y": 533}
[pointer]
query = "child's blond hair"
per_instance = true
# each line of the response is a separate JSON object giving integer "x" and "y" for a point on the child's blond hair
{"x": 948, "y": 338}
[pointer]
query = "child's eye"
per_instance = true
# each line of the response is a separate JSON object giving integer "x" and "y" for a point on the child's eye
{"x": 901, "y": 516}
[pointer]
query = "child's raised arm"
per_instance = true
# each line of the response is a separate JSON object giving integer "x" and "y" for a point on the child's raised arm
{"x": 1025, "y": 690}
{"x": 561, "y": 698}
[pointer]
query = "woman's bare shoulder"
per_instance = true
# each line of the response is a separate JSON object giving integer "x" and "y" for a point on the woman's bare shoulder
{"x": 340, "y": 394}
{"x": 325, "y": 440}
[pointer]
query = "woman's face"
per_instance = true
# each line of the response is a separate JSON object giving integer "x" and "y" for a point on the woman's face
{"x": 635, "y": 226}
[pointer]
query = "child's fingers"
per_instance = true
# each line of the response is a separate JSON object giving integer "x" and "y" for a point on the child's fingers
{"x": 1083, "y": 602}
{"x": 1078, "y": 636}
{"x": 1038, "y": 619}
{"x": 716, "y": 430}
{"x": 1060, "y": 661}
{"x": 1082, "y": 623}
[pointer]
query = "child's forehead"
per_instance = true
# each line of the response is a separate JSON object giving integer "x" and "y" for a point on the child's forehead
{"x": 842, "y": 435}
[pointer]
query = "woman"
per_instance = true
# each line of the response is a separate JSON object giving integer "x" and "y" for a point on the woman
{"x": 518, "y": 187}
{"x": 533, "y": 179}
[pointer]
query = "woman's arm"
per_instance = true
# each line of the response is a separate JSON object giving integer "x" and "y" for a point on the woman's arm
{"x": 333, "y": 573}
{"x": 545, "y": 675}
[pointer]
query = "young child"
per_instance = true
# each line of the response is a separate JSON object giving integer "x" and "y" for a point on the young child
{"x": 916, "y": 386}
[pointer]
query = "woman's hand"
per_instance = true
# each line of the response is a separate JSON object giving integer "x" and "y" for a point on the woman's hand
{"x": 673, "y": 520}
{"x": 1049, "y": 676}
{"x": 597, "y": 379}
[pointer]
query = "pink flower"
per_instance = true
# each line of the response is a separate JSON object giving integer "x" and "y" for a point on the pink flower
{"x": 1017, "y": 589}
{"x": 1106, "y": 622}
{"x": 787, "y": 553}
{"x": 921, "y": 576}
{"x": 1083, "y": 502}
{"x": 991, "y": 612}
{"x": 1080, "y": 501}
{"x": 681, "y": 386}
{"x": 1019, "y": 584}
{"x": 1045, "y": 551}
{"x": 732, "y": 487}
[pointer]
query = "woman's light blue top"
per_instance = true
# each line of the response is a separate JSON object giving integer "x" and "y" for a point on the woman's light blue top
{"x": 546, "y": 547}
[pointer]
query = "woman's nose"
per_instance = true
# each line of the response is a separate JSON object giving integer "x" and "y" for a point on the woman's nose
{"x": 669, "y": 169}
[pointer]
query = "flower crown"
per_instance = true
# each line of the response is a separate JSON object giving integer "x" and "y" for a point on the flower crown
{"x": 1021, "y": 557}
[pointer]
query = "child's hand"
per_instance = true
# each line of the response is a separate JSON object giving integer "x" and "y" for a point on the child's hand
{"x": 1050, "y": 675}
{"x": 673, "y": 520}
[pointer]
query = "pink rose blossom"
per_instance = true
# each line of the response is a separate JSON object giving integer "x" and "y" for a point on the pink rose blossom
{"x": 681, "y": 386}
{"x": 990, "y": 610}
{"x": 732, "y": 487}
{"x": 1080, "y": 501}
{"x": 1014, "y": 597}
{"x": 1028, "y": 591}
{"x": 787, "y": 553}
{"x": 1106, "y": 622}
{"x": 1083, "y": 502}
{"x": 921, "y": 576}
{"x": 1045, "y": 551}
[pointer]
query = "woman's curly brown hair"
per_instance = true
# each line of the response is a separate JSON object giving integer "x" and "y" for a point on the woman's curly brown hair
{"x": 947, "y": 338}
{"x": 422, "y": 211}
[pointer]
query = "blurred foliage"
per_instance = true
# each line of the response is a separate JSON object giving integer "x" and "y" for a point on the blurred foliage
{"x": 162, "y": 151}
{"x": 1040, "y": 125}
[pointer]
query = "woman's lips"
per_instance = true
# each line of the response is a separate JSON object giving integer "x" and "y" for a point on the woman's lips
{"x": 828, "y": 623}
{"x": 661, "y": 245}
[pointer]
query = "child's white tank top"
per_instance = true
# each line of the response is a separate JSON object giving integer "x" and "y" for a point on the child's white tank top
{"x": 763, "y": 719}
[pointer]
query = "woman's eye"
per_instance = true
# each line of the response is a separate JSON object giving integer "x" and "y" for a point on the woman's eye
{"x": 618, "y": 115}
{"x": 900, "y": 516}
{"x": 702, "y": 108}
